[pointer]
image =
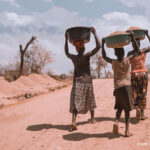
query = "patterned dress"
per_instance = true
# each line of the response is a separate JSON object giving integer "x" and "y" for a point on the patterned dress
{"x": 139, "y": 80}
{"x": 139, "y": 83}
{"x": 82, "y": 95}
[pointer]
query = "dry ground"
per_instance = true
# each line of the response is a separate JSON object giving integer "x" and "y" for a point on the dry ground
{"x": 42, "y": 123}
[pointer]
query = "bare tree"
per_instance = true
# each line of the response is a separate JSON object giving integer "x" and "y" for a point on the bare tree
{"x": 10, "y": 71}
{"x": 1, "y": 70}
{"x": 22, "y": 53}
{"x": 37, "y": 58}
{"x": 98, "y": 64}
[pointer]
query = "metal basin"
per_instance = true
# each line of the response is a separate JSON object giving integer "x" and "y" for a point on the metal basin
{"x": 79, "y": 33}
{"x": 138, "y": 32}
{"x": 117, "y": 41}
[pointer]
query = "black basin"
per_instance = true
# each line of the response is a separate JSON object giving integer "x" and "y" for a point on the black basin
{"x": 79, "y": 33}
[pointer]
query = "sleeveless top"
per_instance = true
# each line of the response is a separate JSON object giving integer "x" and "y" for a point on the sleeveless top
{"x": 138, "y": 63}
{"x": 121, "y": 73}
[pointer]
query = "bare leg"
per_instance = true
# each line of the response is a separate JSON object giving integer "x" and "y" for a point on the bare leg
{"x": 143, "y": 117}
{"x": 92, "y": 116}
{"x": 74, "y": 116}
{"x": 127, "y": 120}
{"x": 116, "y": 126}
{"x": 138, "y": 113}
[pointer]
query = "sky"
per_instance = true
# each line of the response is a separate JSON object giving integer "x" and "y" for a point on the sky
{"x": 49, "y": 19}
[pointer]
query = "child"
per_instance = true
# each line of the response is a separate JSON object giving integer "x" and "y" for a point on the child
{"x": 82, "y": 96}
{"x": 139, "y": 78}
{"x": 122, "y": 92}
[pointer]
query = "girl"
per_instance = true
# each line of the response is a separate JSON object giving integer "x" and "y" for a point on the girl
{"x": 139, "y": 78}
{"x": 122, "y": 91}
{"x": 82, "y": 95}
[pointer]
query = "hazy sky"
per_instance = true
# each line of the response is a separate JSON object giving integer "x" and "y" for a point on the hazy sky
{"x": 49, "y": 19}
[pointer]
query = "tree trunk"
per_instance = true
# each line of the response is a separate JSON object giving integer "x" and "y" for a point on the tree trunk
{"x": 21, "y": 63}
{"x": 22, "y": 53}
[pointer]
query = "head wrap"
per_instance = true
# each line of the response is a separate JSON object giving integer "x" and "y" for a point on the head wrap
{"x": 78, "y": 44}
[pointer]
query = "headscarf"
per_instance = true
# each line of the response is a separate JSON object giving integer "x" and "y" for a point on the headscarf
{"x": 78, "y": 44}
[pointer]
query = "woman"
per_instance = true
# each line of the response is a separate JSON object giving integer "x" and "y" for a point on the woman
{"x": 139, "y": 78}
{"x": 122, "y": 91}
{"x": 82, "y": 96}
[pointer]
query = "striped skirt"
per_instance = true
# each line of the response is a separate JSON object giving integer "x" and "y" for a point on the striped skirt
{"x": 139, "y": 82}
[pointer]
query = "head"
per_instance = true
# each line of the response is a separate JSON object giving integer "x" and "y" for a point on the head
{"x": 79, "y": 45}
{"x": 138, "y": 42}
{"x": 80, "y": 50}
{"x": 119, "y": 52}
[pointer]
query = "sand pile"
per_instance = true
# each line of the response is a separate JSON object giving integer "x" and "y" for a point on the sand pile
{"x": 48, "y": 78}
{"x": 7, "y": 90}
{"x": 27, "y": 86}
{"x": 38, "y": 79}
{"x": 117, "y": 33}
{"x": 134, "y": 28}
{"x": 52, "y": 81}
{"x": 26, "y": 81}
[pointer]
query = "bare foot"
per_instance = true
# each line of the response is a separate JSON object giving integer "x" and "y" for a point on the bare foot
{"x": 73, "y": 127}
{"x": 138, "y": 114}
{"x": 115, "y": 129}
{"x": 143, "y": 118}
{"x": 93, "y": 121}
{"x": 128, "y": 134}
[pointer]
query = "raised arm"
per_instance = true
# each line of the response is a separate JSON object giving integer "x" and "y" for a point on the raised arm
{"x": 66, "y": 46}
{"x": 146, "y": 32}
{"x": 146, "y": 50}
{"x": 136, "y": 46}
{"x": 97, "y": 41}
{"x": 104, "y": 53}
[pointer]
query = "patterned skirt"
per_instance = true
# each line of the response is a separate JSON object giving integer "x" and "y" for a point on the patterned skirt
{"x": 139, "y": 82}
{"x": 82, "y": 95}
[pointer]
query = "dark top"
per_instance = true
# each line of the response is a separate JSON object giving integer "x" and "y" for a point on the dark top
{"x": 81, "y": 63}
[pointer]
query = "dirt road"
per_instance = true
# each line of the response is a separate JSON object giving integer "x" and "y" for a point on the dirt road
{"x": 42, "y": 123}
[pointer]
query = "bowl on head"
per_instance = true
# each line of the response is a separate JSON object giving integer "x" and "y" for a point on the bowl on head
{"x": 117, "y": 39}
{"x": 79, "y": 34}
{"x": 139, "y": 33}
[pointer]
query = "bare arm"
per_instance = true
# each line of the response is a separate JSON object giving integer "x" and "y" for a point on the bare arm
{"x": 66, "y": 46}
{"x": 146, "y": 32}
{"x": 146, "y": 50}
{"x": 104, "y": 53}
{"x": 98, "y": 45}
{"x": 136, "y": 46}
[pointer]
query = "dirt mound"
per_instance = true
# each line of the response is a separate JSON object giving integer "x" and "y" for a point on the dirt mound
{"x": 26, "y": 87}
{"x": 26, "y": 81}
{"x": 7, "y": 89}
{"x": 38, "y": 79}
{"x": 117, "y": 33}
{"x": 134, "y": 28}
{"x": 48, "y": 78}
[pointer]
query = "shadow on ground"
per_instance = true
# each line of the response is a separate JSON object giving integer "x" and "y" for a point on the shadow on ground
{"x": 82, "y": 136}
{"x": 39, "y": 127}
